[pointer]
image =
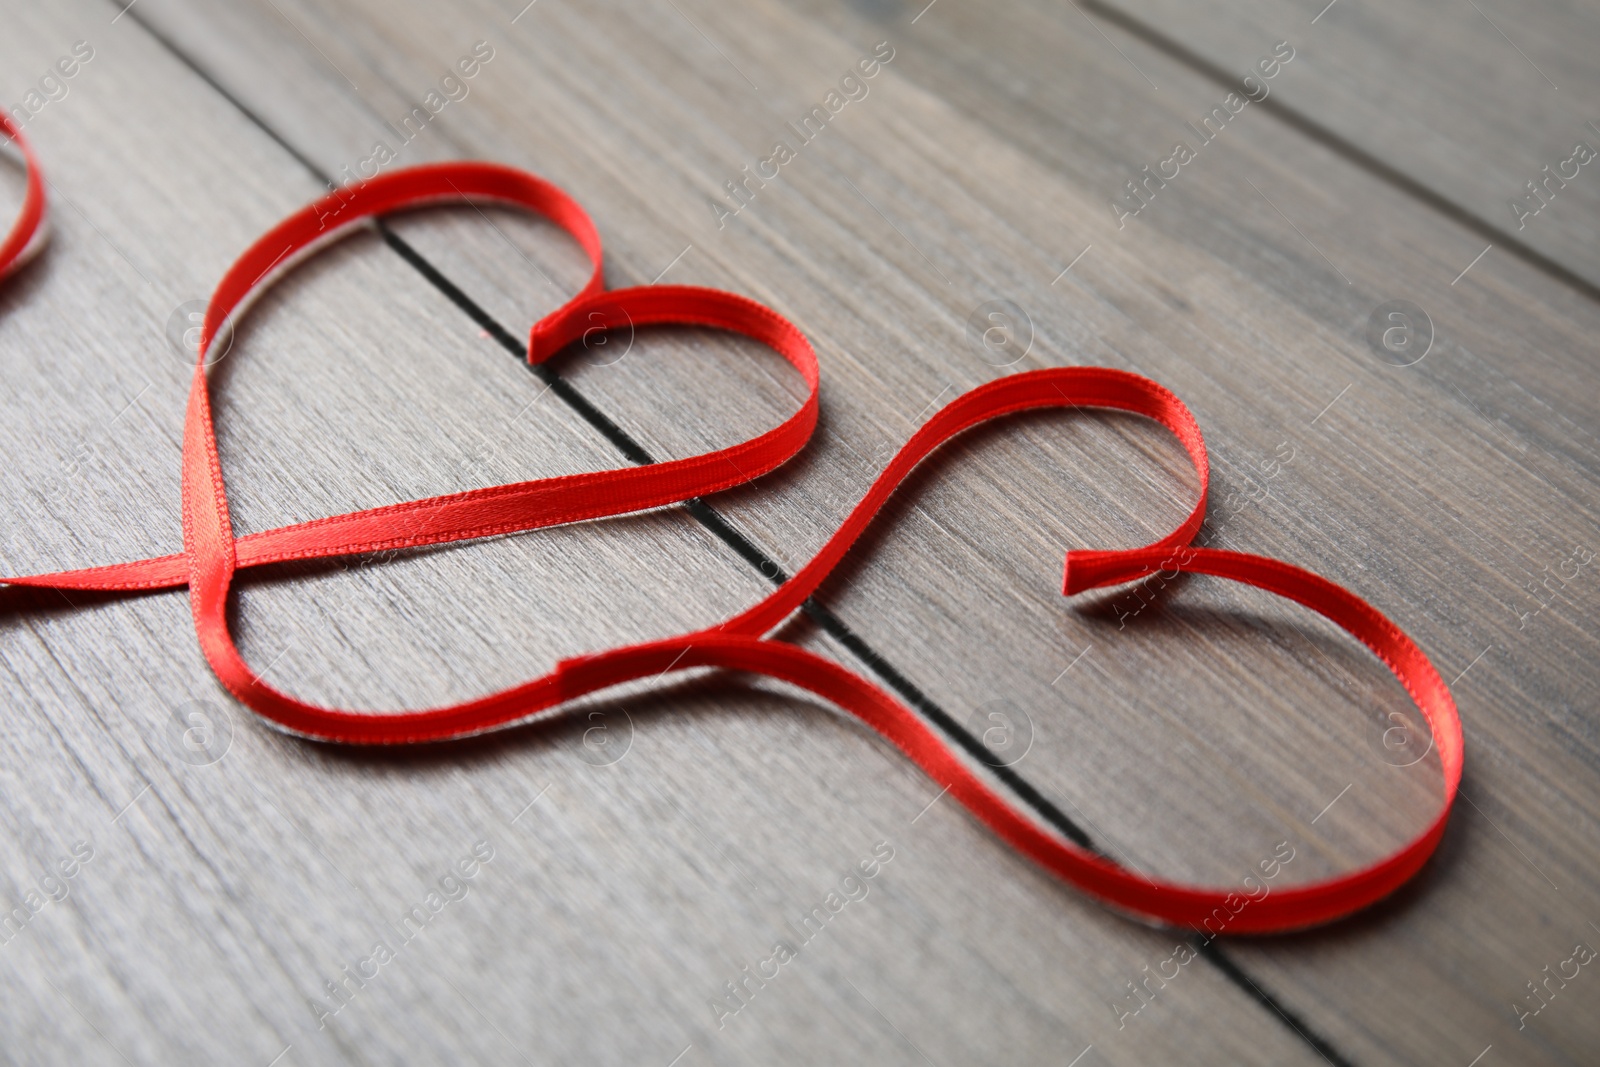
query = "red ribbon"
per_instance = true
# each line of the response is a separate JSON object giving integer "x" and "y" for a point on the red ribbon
{"x": 26, "y": 236}
{"x": 212, "y": 554}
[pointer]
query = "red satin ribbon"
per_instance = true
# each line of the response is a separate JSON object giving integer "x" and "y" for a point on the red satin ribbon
{"x": 26, "y": 236}
{"x": 212, "y": 555}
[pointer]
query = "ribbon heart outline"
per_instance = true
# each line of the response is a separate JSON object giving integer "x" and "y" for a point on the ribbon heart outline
{"x": 212, "y": 555}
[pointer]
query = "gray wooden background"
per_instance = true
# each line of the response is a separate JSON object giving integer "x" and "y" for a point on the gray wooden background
{"x": 643, "y": 854}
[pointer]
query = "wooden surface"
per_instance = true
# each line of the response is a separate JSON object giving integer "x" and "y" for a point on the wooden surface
{"x": 1187, "y": 739}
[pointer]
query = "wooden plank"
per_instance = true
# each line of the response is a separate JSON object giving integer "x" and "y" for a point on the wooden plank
{"x": 1471, "y": 101}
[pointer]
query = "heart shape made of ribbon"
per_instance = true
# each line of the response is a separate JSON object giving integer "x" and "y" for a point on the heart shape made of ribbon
{"x": 212, "y": 555}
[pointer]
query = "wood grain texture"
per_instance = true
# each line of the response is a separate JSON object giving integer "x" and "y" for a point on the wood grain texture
{"x": 1470, "y": 101}
{"x": 1185, "y": 739}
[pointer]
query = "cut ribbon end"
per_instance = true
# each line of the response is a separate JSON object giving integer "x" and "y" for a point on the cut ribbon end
{"x": 588, "y": 319}
{"x": 539, "y": 347}
{"x": 1087, "y": 569}
{"x": 550, "y": 335}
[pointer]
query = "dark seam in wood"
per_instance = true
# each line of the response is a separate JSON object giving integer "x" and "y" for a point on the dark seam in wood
{"x": 1351, "y": 152}
{"x": 1213, "y": 954}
